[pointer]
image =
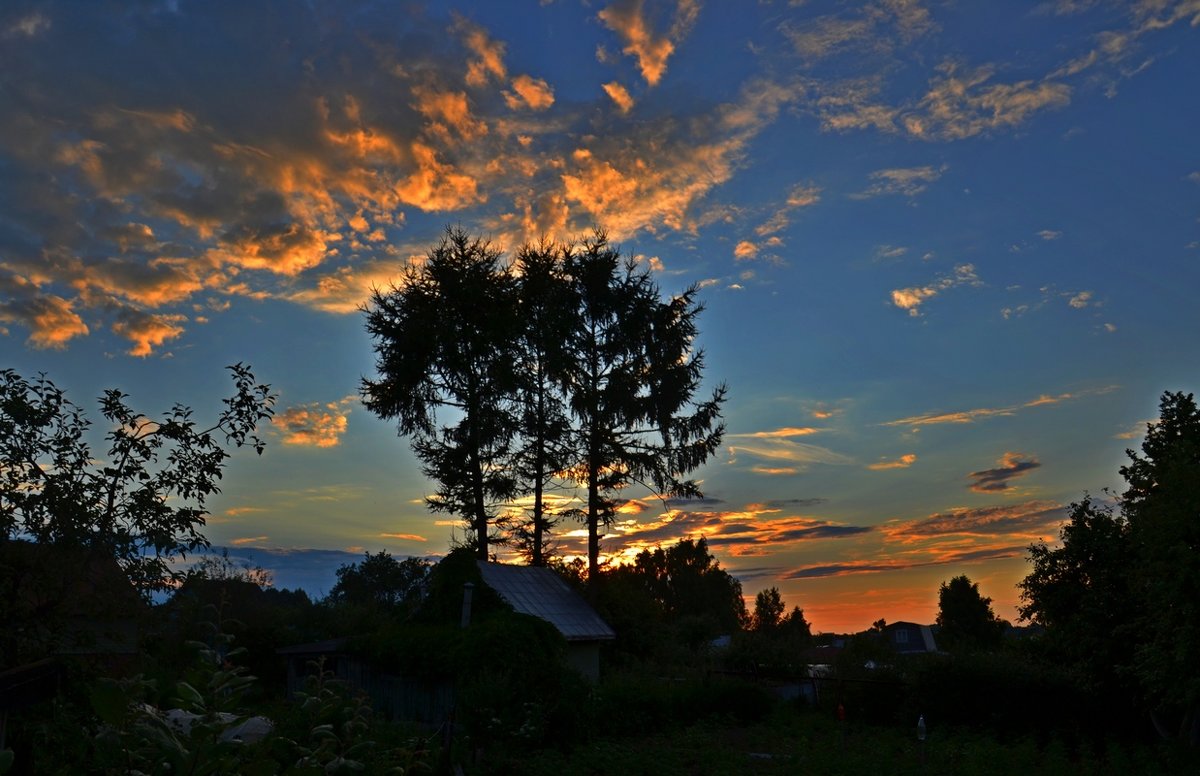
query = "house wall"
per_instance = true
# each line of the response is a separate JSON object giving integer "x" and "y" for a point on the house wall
{"x": 584, "y": 657}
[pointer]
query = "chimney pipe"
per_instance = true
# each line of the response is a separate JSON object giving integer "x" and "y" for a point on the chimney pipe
{"x": 468, "y": 592}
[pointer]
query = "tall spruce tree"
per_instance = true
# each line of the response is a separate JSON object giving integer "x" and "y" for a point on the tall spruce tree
{"x": 631, "y": 383}
{"x": 444, "y": 341}
{"x": 546, "y": 306}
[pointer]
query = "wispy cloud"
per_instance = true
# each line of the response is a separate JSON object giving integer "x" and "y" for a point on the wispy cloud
{"x": 910, "y": 299}
{"x": 907, "y": 181}
{"x": 1137, "y": 430}
{"x": 775, "y": 471}
{"x": 28, "y": 26}
{"x": 779, "y": 433}
{"x": 1008, "y": 468}
{"x": 1080, "y": 299}
{"x": 970, "y": 416}
{"x": 1030, "y": 520}
{"x": 962, "y": 102}
{"x": 408, "y": 537}
{"x": 782, "y": 451}
{"x": 903, "y": 462}
{"x": 877, "y": 566}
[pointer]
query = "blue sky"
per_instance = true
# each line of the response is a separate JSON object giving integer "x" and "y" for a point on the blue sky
{"x": 948, "y": 250}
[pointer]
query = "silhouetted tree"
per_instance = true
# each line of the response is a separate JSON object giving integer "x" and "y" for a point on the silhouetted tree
{"x": 632, "y": 380}
{"x": 795, "y": 626}
{"x": 768, "y": 610}
{"x": 1080, "y": 592}
{"x": 686, "y": 582}
{"x": 144, "y": 501}
{"x": 1162, "y": 507}
{"x": 1117, "y": 597}
{"x": 546, "y": 306}
{"x": 381, "y": 580}
{"x": 445, "y": 352}
{"x": 966, "y": 617}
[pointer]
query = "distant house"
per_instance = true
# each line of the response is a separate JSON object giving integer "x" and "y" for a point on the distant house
{"x": 908, "y": 638}
{"x": 542, "y": 593}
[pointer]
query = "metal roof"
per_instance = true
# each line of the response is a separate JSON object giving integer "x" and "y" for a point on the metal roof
{"x": 544, "y": 594}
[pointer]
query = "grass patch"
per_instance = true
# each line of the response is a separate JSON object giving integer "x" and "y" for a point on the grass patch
{"x": 791, "y": 741}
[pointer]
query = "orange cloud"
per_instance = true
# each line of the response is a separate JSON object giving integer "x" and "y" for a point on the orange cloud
{"x": 845, "y": 568}
{"x": 911, "y": 299}
{"x": 50, "y": 319}
{"x": 145, "y": 330}
{"x": 627, "y": 18}
{"x": 435, "y": 185}
{"x": 780, "y": 433}
{"x": 903, "y": 462}
{"x": 756, "y": 529}
{"x": 528, "y": 92}
{"x": 1030, "y": 520}
{"x": 775, "y": 471}
{"x": 745, "y": 250}
{"x": 316, "y": 424}
{"x": 236, "y": 511}
{"x": 969, "y": 416}
{"x": 632, "y": 506}
{"x": 448, "y": 113}
{"x": 488, "y": 62}
{"x": 286, "y": 249}
{"x": 619, "y": 95}
{"x": 404, "y": 536}
{"x": 248, "y": 540}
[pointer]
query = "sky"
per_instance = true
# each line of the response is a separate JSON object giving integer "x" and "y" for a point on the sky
{"x": 948, "y": 250}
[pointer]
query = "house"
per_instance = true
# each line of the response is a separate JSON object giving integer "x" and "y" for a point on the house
{"x": 393, "y": 696}
{"x": 542, "y": 593}
{"x": 909, "y": 638}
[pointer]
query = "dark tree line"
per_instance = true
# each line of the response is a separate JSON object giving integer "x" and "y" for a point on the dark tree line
{"x": 1120, "y": 597}
{"x": 565, "y": 369}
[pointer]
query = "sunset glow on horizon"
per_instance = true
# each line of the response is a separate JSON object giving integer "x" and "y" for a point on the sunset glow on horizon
{"x": 949, "y": 253}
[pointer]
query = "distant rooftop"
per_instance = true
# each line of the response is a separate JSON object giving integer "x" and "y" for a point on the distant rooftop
{"x": 544, "y": 594}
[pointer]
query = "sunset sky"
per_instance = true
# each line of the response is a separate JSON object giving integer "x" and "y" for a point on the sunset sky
{"x": 949, "y": 251}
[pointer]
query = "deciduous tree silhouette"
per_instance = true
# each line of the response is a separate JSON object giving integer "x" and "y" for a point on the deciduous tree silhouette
{"x": 382, "y": 581}
{"x": 1118, "y": 596}
{"x": 145, "y": 501}
{"x": 768, "y": 610}
{"x": 966, "y": 617}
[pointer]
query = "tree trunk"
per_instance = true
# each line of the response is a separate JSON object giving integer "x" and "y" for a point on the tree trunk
{"x": 593, "y": 525}
{"x": 480, "y": 518}
{"x": 539, "y": 476}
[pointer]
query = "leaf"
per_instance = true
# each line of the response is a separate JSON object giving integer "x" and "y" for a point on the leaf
{"x": 110, "y": 701}
{"x": 189, "y": 695}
